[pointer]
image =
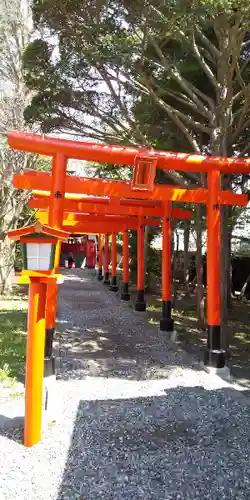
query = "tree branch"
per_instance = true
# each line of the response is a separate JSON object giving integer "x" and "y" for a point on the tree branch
{"x": 246, "y": 149}
{"x": 194, "y": 124}
{"x": 107, "y": 78}
{"x": 174, "y": 117}
{"x": 241, "y": 127}
{"x": 205, "y": 98}
{"x": 182, "y": 98}
{"x": 210, "y": 46}
{"x": 179, "y": 78}
{"x": 202, "y": 61}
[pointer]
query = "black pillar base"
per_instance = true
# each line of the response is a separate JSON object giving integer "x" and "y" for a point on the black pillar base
{"x": 166, "y": 322}
{"x": 140, "y": 304}
{"x": 215, "y": 359}
{"x": 125, "y": 295}
{"x": 49, "y": 334}
{"x": 166, "y": 325}
{"x": 113, "y": 286}
{"x": 99, "y": 276}
{"x": 214, "y": 355}
{"x": 106, "y": 278}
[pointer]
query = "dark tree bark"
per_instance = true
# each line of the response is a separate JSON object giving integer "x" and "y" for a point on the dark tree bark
{"x": 199, "y": 264}
{"x": 186, "y": 257}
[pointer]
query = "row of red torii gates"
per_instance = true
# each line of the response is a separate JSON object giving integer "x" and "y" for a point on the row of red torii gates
{"x": 118, "y": 206}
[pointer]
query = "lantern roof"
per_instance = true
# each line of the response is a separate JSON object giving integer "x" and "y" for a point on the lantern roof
{"x": 38, "y": 228}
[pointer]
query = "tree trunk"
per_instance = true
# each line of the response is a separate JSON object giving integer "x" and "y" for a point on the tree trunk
{"x": 7, "y": 258}
{"x": 199, "y": 264}
{"x": 221, "y": 144}
{"x": 186, "y": 260}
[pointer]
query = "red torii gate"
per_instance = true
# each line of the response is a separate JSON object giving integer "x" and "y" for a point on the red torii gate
{"x": 92, "y": 222}
{"x": 144, "y": 163}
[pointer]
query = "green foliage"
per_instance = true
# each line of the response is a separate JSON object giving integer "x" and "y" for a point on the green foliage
{"x": 152, "y": 256}
{"x": 18, "y": 263}
{"x": 13, "y": 318}
{"x": 115, "y": 172}
{"x": 140, "y": 71}
{"x": 153, "y": 262}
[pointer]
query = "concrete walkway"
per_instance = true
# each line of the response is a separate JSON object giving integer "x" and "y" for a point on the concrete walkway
{"x": 138, "y": 418}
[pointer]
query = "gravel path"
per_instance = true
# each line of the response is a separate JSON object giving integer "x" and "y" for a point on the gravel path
{"x": 138, "y": 420}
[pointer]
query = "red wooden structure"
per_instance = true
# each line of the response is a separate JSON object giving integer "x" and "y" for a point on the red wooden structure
{"x": 119, "y": 206}
{"x": 90, "y": 254}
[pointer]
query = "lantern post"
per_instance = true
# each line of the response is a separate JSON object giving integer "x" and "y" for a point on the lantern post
{"x": 38, "y": 244}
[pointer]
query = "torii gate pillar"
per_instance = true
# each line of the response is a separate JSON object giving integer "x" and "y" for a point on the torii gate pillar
{"x": 166, "y": 322}
{"x": 106, "y": 260}
{"x": 100, "y": 276}
{"x": 125, "y": 293}
{"x": 114, "y": 286}
{"x": 140, "y": 304}
{"x": 215, "y": 355}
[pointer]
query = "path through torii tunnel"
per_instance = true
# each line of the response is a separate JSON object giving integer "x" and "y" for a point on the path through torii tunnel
{"x": 107, "y": 207}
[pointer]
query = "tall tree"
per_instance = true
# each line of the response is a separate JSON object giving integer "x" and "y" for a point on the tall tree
{"x": 15, "y": 34}
{"x": 103, "y": 51}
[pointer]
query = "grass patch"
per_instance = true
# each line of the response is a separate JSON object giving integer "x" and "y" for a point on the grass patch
{"x": 13, "y": 327}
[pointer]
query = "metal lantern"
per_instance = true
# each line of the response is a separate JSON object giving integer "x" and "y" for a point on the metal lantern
{"x": 38, "y": 244}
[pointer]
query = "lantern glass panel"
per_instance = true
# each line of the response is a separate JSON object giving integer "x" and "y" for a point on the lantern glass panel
{"x": 38, "y": 256}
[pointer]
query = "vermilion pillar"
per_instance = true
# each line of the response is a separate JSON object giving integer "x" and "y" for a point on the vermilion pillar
{"x": 125, "y": 295}
{"x": 166, "y": 322}
{"x": 100, "y": 258}
{"x": 56, "y": 206}
{"x": 106, "y": 260}
{"x": 140, "y": 304}
{"x": 114, "y": 286}
{"x": 34, "y": 363}
{"x": 214, "y": 354}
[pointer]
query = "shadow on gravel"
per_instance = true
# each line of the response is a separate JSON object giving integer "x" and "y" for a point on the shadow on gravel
{"x": 12, "y": 428}
{"x": 102, "y": 343}
{"x": 104, "y": 352}
{"x": 187, "y": 444}
{"x": 100, "y": 336}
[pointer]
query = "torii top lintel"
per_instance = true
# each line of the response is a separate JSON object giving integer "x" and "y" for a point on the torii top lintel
{"x": 124, "y": 155}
